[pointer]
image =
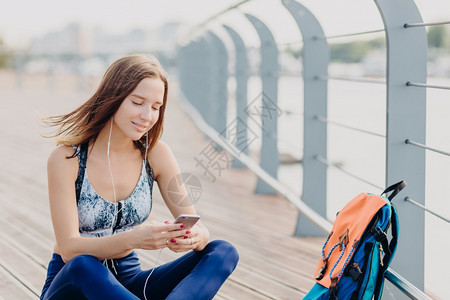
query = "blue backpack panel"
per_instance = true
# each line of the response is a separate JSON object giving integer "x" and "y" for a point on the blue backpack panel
{"x": 358, "y": 251}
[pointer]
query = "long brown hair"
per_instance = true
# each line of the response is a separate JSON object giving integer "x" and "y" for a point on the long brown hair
{"x": 83, "y": 124}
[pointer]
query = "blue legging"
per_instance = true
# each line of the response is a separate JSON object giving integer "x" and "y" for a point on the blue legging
{"x": 196, "y": 275}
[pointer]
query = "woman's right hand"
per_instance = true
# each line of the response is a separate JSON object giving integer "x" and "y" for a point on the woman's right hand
{"x": 152, "y": 235}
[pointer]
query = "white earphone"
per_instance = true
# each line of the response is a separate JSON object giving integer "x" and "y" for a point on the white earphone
{"x": 115, "y": 197}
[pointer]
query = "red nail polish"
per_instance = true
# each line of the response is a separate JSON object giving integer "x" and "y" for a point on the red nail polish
{"x": 173, "y": 240}
{"x": 188, "y": 231}
{"x": 185, "y": 237}
{"x": 167, "y": 222}
{"x": 182, "y": 226}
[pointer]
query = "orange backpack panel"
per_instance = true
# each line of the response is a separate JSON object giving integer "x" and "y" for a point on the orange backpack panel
{"x": 347, "y": 230}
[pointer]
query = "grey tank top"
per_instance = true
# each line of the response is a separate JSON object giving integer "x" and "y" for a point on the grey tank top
{"x": 99, "y": 217}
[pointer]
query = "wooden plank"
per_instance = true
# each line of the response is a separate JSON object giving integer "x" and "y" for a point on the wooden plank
{"x": 13, "y": 288}
{"x": 234, "y": 289}
{"x": 29, "y": 224}
{"x": 22, "y": 268}
{"x": 38, "y": 256}
{"x": 264, "y": 286}
{"x": 273, "y": 264}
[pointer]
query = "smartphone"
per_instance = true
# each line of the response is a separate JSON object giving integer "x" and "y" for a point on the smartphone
{"x": 187, "y": 220}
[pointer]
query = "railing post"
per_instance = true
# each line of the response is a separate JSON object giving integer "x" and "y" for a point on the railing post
{"x": 241, "y": 76}
{"x": 268, "y": 112}
{"x": 219, "y": 79}
{"x": 196, "y": 55}
{"x": 195, "y": 85}
{"x": 202, "y": 78}
{"x": 406, "y": 119}
{"x": 184, "y": 64}
{"x": 315, "y": 63}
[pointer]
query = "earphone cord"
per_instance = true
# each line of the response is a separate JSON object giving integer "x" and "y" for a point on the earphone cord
{"x": 116, "y": 212}
{"x": 109, "y": 167}
{"x": 146, "y": 149}
{"x": 150, "y": 274}
{"x": 115, "y": 198}
{"x": 159, "y": 254}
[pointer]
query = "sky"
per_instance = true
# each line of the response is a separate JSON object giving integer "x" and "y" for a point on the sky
{"x": 21, "y": 20}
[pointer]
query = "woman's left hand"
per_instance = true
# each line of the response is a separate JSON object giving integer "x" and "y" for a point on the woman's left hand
{"x": 195, "y": 238}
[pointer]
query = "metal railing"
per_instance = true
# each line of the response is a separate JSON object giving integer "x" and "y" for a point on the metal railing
{"x": 315, "y": 162}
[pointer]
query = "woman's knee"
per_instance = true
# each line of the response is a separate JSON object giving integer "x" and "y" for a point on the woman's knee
{"x": 83, "y": 264}
{"x": 225, "y": 252}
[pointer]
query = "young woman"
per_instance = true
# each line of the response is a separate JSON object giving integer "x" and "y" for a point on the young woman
{"x": 100, "y": 180}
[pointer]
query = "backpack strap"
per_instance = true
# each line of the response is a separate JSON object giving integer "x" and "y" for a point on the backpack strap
{"x": 394, "y": 230}
{"x": 380, "y": 236}
{"x": 82, "y": 157}
{"x": 389, "y": 251}
{"x": 396, "y": 188}
{"x": 389, "y": 247}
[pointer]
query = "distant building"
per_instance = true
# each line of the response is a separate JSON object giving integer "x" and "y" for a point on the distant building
{"x": 76, "y": 39}
{"x": 73, "y": 39}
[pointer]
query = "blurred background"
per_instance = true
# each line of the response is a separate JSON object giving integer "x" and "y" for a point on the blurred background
{"x": 57, "y": 38}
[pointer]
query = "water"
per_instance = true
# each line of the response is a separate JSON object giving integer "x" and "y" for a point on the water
{"x": 363, "y": 106}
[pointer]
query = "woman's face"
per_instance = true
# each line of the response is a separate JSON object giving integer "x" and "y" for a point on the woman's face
{"x": 139, "y": 111}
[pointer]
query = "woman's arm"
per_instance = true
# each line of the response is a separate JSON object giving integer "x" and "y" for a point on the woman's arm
{"x": 62, "y": 173}
{"x": 165, "y": 169}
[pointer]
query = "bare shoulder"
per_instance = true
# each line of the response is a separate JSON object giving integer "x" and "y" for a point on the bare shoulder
{"x": 60, "y": 154}
{"x": 161, "y": 158}
{"x": 161, "y": 148}
{"x": 58, "y": 160}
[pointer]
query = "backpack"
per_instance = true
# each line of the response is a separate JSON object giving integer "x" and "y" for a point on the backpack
{"x": 357, "y": 252}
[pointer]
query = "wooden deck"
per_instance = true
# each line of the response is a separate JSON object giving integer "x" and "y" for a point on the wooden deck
{"x": 273, "y": 264}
